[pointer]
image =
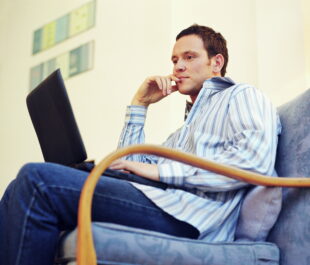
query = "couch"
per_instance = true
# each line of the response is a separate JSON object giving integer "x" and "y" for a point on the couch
{"x": 287, "y": 241}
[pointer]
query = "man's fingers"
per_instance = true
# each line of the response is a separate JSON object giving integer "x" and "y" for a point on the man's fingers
{"x": 173, "y": 83}
{"x": 174, "y": 78}
{"x": 163, "y": 83}
{"x": 166, "y": 82}
{"x": 170, "y": 84}
{"x": 159, "y": 82}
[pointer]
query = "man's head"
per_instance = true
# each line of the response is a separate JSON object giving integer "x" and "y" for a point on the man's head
{"x": 213, "y": 42}
{"x": 198, "y": 54}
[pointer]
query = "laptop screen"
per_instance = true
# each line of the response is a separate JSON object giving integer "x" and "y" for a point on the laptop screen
{"x": 53, "y": 119}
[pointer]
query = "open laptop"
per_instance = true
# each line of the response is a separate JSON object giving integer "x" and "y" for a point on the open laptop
{"x": 57, "y": 130}
{"x": 53, "y": 119}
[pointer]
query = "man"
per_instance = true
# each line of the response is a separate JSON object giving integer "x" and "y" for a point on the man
{"x": 229, "y": 123}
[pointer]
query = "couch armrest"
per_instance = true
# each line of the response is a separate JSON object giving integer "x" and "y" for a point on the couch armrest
{"x": 85, "y": 248}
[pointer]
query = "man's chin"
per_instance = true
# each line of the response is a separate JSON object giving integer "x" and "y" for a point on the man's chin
{"x": 184, "y": 90}
{"x": 189, "y": 91}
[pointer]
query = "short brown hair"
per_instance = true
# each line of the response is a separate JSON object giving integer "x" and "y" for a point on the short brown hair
{"x": 214, "y": 42}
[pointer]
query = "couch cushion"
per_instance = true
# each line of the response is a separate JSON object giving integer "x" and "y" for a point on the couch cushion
{"x": 116, "y": 244}
{"x": 291, "y": 232}
{"x": 259, "y": 212}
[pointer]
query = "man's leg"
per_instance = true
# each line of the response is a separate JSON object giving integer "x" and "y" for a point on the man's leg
{"x": 43, "y": 201}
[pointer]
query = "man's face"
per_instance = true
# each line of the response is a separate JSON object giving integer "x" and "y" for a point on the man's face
{"x": 191, "y": 65}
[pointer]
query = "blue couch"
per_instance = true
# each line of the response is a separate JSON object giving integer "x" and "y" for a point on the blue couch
{"x": 287, "y": 243}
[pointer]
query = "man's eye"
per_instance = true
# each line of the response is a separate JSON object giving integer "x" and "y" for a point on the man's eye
{"x": 189, "y": 57}
{"x": 174, "y": 61}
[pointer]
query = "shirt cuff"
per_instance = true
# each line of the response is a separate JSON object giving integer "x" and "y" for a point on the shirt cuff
{"x": 136, "y": 114}
{"x": 171, "y": 173}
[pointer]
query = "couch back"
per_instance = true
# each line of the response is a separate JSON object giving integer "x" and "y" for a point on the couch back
{"x": 291, "y": 232}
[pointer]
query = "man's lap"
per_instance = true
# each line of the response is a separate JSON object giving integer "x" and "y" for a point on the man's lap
{"x": 115, "y": 201}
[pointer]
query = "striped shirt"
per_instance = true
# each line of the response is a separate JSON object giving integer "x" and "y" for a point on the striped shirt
{"x": 233, "y": 124}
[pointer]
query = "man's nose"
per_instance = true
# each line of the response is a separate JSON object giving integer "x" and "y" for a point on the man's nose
{"x": 180, "y": 66}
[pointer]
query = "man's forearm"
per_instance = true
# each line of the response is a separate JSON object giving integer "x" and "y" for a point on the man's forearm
{"x": 142, "y": 169}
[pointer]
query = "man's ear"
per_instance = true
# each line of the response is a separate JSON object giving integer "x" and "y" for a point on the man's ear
{"x": 217, "y": 63}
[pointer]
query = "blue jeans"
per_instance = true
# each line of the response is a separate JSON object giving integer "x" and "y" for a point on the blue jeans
{"x": 43, "y": 200}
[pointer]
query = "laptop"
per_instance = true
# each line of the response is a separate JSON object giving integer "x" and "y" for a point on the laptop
{"x": 53, "y": 120}
{"x": 57, "y": 130}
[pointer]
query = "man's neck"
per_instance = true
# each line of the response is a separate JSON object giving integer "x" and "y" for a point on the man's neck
{"x": 193, "y": 97}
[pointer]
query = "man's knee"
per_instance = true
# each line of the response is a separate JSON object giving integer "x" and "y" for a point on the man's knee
{"x": 24, "y": 179}
{"x": 28, "y": 174}
{"x": 30, "y": 169}
{"x": 36, "y": 173}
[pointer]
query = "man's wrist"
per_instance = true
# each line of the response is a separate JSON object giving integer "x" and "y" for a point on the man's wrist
{"x": 136, "y": 102}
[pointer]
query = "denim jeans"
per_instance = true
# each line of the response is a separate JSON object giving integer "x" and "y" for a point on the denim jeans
{"x": 43, "y": 200}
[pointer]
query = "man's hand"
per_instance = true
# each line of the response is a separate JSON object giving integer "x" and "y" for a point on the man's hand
{"x": 153, "y": 89}
{"x": 148, "y": 171}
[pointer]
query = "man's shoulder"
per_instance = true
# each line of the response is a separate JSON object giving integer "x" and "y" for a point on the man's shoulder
{"x": 244, "y": 91}
{"x": 241, "y": 88}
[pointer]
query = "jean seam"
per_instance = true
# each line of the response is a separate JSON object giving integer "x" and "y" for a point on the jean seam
{"x": 24, "y": 229}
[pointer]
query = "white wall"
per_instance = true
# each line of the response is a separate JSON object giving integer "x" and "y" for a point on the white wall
{"x": 133, "y": 39}
{"x": 306, "y": 23}
{"x": 280, "y": 48}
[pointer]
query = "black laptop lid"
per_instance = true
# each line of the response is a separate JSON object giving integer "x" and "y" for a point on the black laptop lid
{"x": 53, "y": 119}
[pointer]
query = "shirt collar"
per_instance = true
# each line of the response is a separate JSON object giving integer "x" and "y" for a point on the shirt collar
{"x": 218, "y": 83}
{"x": 214, "y": 83}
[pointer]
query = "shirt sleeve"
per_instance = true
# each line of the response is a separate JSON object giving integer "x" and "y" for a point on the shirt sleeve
{"x": 133, "y": 133}
{"x": 252, "y": 135}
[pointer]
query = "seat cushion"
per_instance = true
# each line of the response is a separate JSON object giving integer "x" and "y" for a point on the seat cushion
{"x": 259, "y": 212}
{"x": 291, "y": 232}
{"x": 116, "y": 244}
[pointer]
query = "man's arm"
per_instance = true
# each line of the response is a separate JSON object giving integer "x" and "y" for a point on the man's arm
{"x": 145, "y": 170}
{"x": 251, "y": 145}
{"x": 152, "y": 90}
